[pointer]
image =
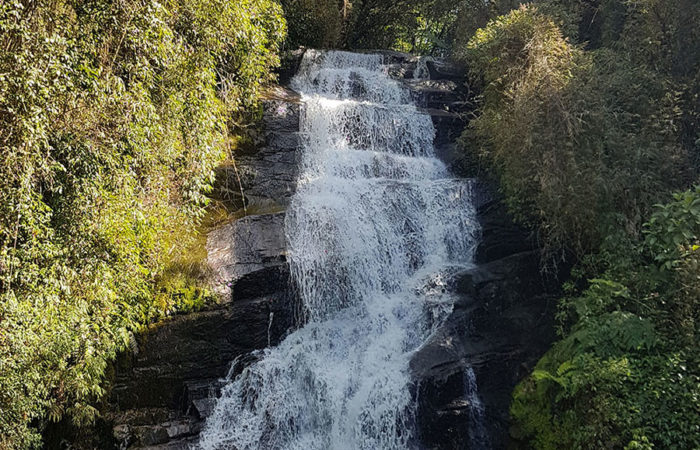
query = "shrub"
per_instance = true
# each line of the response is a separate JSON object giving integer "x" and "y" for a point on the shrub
{"x": 580, "y": 141}
{"x": 625, "y": 374}
{"x": 428, "y": 27}
{"x": 315, "y": 23}
{"x": 112, "y": 117}
{"x": 584, "y": 140}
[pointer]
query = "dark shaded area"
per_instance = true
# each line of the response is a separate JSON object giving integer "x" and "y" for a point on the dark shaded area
{"x": 502, "y": 324}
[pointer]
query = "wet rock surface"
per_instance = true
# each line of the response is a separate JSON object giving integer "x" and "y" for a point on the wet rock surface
{"x": 166, "y": 388}
{"x": 248, "y": 256}
{"x": 264, "y": 174}
{"x": 502, "y": 323}
{"x": 174, "y": 356}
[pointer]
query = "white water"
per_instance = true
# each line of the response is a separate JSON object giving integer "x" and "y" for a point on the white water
{"x": 375, "y": 227}
{"x": 478, "y": 436}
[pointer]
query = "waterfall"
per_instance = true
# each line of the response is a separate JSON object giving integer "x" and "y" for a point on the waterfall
{"x": 374, "y": 230}
{"x": 478, "y": 436}
{"x": 422, "y": 72}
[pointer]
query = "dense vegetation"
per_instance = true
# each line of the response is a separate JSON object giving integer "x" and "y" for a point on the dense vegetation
{"x": 433, "y": 27}
{"x": 421, "y": 26}
{"x": 113, "y": 114}
{"x": 589, "y": 122}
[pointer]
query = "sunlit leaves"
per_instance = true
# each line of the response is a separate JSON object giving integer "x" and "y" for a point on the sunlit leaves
{"x": 674, "y": 228}
{"x": 112, "y": 117}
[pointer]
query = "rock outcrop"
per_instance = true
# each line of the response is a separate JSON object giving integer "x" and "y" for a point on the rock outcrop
{"x": 248, "y": 256}
{"x": 501, "y": 325}
{"x": 264, "y": 175}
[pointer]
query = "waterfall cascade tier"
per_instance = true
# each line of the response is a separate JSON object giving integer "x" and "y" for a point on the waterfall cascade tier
{"x": 373, "y": 231}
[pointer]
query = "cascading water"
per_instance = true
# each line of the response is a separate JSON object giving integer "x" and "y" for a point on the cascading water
{"x": 373, "y": 231}
{"x": 478, "y": 436}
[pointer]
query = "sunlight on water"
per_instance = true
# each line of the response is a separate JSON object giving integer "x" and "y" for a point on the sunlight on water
{"x": 375, "y": 226}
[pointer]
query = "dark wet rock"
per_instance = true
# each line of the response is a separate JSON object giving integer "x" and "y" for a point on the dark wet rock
{"x": 289, "y": 64}
{"x": 196, "y": 347}
{"x": 269, "y": 177}
{"x": 435, "y": 94}
{"x": 448, "y": 126}
{"x": 441, "y": 69}
{"x": 401, "y": 71}
{"x": 265, "y": 174}
{"x": 150, "y": 435}
{"x": 503, "y": 321}
{"x": 500, "y": 237}
{"x": 448, "y": 101}
{"x": 168, "y": 386}
{"x": 501, "y": 325}
{"x": 404, "y": 64}
{"x": 203, "y": 407}
{"x": 170, "y": 434}
{"x": 199, "y": 397}
{"x": 179, "y": 444}
{"x": 399, "y": 65}
{"x": 248, "y": 256}
{"x": 281, "y": 109}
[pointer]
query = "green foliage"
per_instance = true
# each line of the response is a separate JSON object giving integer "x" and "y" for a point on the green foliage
{"x": 585, "y": 138}
{"x": 418, "y": 26}
{"x": 673, "y": 228}
{"x": 614, "y": 402}
{"x": 112, "y": 117}
{"x": 626, "y": 373}
{"x": 415, "y": 26}
{"x": 581, "y": 142}
{"x": 315, "y": 23}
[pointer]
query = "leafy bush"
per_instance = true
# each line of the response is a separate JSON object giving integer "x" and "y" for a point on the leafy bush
{"x": 626, "y": 372}
{"x": 418, "y": 26}
{"x": 584, "y": 140}
{"x": 112, "y": 117}
{"x": 673, "y": 227}
{"x": 580, "y": 141}
{"x": 315, "y": 23}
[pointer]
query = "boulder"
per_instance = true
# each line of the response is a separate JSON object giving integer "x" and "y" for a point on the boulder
{"x": 197, "y": 347}
{"x": 500, "y": 236}
{"x": 435, "y": 94}
{"x": 263, "y": 173}
{"x": 448, "y": 125}
{"x": 290, "y": 61}
{"x": 441, "y": 69}
{"x": 248, "y": 256}
{"x": 502, "y": 323}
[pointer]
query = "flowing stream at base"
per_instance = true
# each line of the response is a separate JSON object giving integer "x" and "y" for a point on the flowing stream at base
{"x": 373, "y": 231}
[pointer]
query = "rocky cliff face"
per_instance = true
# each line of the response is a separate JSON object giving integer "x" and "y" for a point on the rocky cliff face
{"x": 500, "y": 326}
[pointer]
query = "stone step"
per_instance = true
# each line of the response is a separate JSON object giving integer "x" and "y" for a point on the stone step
{"x": 135, "y": 434}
